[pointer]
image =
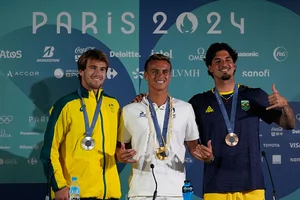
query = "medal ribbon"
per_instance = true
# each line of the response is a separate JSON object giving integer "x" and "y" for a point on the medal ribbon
{"x": 89, "y": 129}
{"x": 229, "y": 124}
{"x": 161, "y": 135}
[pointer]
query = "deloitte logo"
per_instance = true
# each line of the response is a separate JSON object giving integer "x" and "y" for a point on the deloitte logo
{"x": 280, "y": 54}
{"x": 187, "y": 22}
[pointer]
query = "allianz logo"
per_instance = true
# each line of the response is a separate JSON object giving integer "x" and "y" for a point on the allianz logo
{"x": 274, "y": 145}
{"x": 35, "y": 147}
{"x": 4, "y": 147}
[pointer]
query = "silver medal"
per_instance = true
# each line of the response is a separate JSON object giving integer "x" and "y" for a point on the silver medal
{"x": 88, "y": 143}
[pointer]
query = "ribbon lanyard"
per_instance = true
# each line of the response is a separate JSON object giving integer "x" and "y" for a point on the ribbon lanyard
{"x": 163, "y": 133}
{"x": 89, "y": 129}
{"x": 229, "y": 124}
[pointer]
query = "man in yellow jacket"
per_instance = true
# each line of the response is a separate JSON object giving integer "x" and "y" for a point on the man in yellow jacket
{"x": 80, "y": 139}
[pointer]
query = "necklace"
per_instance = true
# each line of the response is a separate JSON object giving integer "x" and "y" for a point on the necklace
{"x": 152, "y": 133}
{"x": 226, "y": 98}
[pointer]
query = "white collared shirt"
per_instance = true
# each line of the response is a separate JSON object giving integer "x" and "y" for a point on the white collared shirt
{"x": 170, "y": 173}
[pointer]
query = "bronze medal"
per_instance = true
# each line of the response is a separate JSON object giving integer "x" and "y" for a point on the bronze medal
{"x": 231, "y": 139}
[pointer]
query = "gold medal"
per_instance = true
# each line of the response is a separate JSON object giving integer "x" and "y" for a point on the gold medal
{"x": 162, "y": 153}
{"x": 231, "y": 139}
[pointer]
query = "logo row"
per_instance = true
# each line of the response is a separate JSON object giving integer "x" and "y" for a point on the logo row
{"x": 277, "y": 159}
{"x": 14, "y": 161}
{"x": 49, "y": 55}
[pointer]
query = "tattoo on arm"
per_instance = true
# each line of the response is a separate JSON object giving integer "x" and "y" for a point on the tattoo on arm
{"x": 287, "y": 118}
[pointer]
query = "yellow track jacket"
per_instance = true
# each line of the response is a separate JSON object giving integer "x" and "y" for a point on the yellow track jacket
{"x": 63, "y": 156}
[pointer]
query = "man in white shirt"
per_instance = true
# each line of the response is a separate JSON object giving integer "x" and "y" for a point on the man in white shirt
{"x": 153, "y": 134}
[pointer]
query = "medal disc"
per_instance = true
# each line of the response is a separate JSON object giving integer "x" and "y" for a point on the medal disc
{"x": 231, "y": 139}
{"x": 88, "y": 143}
{"x": 162, "y": 153}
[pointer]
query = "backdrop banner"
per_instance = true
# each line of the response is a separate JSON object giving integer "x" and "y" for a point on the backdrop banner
{"x": 41, "y": 41}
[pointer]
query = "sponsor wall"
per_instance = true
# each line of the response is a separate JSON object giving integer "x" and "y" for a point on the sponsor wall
{"x": 40, "y": 43}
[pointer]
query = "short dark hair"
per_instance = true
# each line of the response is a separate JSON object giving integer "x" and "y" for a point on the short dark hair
{"x": 92, "y": 54}
{"x": 157, "y": 57}
{"x": 216, "y": 47}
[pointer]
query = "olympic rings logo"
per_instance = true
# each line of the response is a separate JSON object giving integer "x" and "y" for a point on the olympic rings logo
{"x": 6, "y": 119}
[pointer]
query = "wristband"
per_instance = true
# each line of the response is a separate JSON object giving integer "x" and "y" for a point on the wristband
{"x": 212, "y": 160}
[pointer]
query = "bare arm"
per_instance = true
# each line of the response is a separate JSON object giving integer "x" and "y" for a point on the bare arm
{"x": 287, "y": 118}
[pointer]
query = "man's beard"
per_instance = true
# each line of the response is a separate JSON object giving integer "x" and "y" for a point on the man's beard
{"x": 226, "y": 77}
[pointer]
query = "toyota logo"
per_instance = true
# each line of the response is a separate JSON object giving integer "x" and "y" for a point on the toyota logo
{"x": 6, "y": 119}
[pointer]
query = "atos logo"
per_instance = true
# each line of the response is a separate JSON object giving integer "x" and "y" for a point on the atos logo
{"x": 10, "y": 54}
